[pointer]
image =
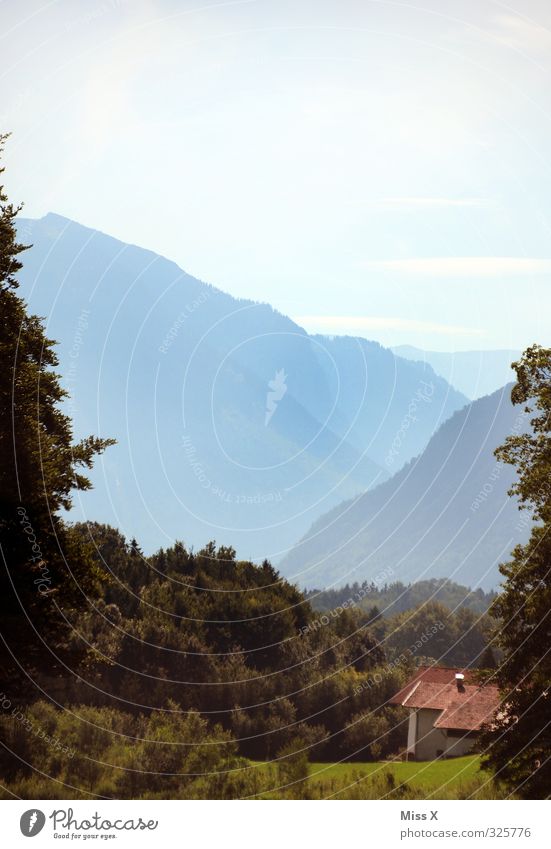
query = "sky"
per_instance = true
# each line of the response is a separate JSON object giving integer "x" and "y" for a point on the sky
{"x": 367, "y": 167}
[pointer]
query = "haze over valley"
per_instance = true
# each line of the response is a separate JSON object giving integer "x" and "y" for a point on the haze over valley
{"x": 235, "y": 424}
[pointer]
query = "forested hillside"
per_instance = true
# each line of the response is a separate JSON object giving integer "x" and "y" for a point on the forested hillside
{"x": 228, "y": 656}
{"x": 446, "y": 514}
{"x": 395, "y": 597}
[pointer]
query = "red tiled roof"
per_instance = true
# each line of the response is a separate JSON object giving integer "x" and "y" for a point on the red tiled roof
{"x": 476, "y": 706}
{"x": 435, "y": 688}
{"x": 432, "y": 675}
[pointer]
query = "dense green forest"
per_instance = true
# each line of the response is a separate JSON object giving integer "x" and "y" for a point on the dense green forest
{"x": 397, "y": 597}
{"x": 200, "y": 647}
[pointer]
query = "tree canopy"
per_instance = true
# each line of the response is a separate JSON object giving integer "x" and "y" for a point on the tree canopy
{"x": 519, "y": 746}
{"x": 45, "y": 566}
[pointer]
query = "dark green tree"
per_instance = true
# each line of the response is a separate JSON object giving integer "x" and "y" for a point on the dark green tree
{"x": 293, "y": 770}
{"x": 487, "y": 659}
{"x": 519, "y": 745}
{"x": 46, "y": 569}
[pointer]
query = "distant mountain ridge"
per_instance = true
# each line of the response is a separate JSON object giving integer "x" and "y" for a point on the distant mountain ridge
{"x": 232, "y": 422}
{"x": 445, "y": 514}
{"x": 474, "y": 373}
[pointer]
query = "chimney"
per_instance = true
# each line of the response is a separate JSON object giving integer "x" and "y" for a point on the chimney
{"x": 459, "y": 678}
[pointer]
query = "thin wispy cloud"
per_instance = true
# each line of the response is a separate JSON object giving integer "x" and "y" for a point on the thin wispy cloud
{"x": 436, "y": 143}
{"x": 464, "y": 266}
{"x": 347, "y": 323}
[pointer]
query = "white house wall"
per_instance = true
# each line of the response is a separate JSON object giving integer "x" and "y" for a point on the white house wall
{"x": 430, "y": 740}
{"x": 457, "y": 746}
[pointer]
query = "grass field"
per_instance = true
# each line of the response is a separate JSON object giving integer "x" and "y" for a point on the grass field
{"x": 453, "y": 778}
{"x": 427, "y": 775}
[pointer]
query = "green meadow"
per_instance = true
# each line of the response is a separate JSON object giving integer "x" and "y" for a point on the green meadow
{"x": 429, "y": 776}
{"x": 445, "y": 779}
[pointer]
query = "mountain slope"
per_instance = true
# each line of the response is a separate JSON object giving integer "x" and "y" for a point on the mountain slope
{"x": 475, "y": 373}
{"x": 232, "y": 422}
{"x": 445, "y": 514}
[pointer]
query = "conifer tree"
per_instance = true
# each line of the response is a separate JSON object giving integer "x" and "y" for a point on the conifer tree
{"x": 46, "y": 569}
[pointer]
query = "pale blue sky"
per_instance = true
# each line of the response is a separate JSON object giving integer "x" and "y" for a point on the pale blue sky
{"x": 379, "y": 168}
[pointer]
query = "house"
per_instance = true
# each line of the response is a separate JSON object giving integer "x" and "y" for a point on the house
{"x": 447, "y": 708}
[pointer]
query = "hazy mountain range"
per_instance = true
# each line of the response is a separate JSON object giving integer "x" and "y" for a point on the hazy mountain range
{"x": 232, "y": 422}
{"x": 446, "y": 513}
{"x": 475, "y": 373}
